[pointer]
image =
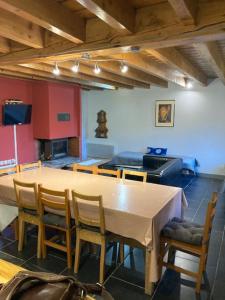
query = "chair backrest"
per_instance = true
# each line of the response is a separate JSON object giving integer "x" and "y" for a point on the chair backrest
{"x": 20, "y": 189}
{"x": 29, "y": 166}
{"x": 106, "y": 172}
{"x": 6, "y": 171}
{"x": 86, "y": 169}
{"x": 79, "y": 220}
{"x": 135, "y": 173}
{"x": 211, "y": 210}
{"x": 54, "y": 200}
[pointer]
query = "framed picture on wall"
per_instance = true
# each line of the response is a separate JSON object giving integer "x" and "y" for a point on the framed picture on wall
{"x": 164, "y": 113}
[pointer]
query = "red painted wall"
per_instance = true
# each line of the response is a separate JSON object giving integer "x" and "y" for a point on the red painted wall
{"x": 20, "y": 89}
{"x": 51, "y": 99}
{"x": 47, "y": 99}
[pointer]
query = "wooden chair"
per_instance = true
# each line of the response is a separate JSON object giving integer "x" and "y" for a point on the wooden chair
{"x": 107, "y": 172}
{"x": 60, "y": 220}
{"x": 85, "y": 169}
{"x": 135, "y": 173}
{"x": 201, "y": 250}
{"x": 28, "y": 213}
{"x": 6, "y": 171}
{"x": 29, "y": 166}
{"x": 90, "y": 230}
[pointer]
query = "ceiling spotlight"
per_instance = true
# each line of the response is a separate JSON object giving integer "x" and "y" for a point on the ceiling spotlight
{"x": 189, "y": 85}
{"x": 123, "y": 68}
{"x": 75, "y": 67}
{"x": 56, "y": 70}
{"x": 97, "y": 70}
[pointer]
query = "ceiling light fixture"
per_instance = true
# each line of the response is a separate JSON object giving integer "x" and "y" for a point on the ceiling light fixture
{"x": 189, "y": 85}
{"x": 124, "y": 68}
{"x": 97, "y": 70}
{"x": 56, "y": 70}
{"x": 75, "y": 67}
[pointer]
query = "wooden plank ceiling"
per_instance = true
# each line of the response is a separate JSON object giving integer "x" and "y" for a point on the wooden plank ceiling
{"x": 160, "y": 41}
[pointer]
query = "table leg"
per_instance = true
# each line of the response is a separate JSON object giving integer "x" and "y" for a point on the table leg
{"x": 149, "y": 286}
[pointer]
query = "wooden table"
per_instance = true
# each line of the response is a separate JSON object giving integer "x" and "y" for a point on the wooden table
{"x": 8, "y": 271}
{"x": 132, "y": 209}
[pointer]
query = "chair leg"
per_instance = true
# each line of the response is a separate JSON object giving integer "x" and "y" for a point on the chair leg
{"x": 77, "y": 254}
{"x": 171, "y": 255}
{"x": 15, "y": 226}
{"x": 68, "y": 249}
{"x": 43, "y": 246}
{"x": 121, "y": 252}
{"x": 39, "y": 242}
{"x": 21, "y": 234}
{"x": 161, "y": 257}
{"x": 102, "y": 262}
{"x": 200, "y": 273}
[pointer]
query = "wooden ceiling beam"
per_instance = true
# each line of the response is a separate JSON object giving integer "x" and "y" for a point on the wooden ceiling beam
{"x": 185, "y": 10}
{"x": 117, "y": 14}
{"x": 210, "y": 27}
{"x": 50, "y": 15}
{"x": 87, "y": 70}
{"x": 144, "y": 63}
{"x": 19, "y": 30}
{"x": 212, "y": 53}
{"x": 133, "y": 73}
{"x": 24, "y": 72}
{"x": 4, "y": 45}
{"x": 79, "y": 76}
{"x": 176, "y": 60}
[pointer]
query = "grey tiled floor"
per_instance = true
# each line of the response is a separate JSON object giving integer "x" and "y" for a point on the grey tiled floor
{"x": 126, "y": 281}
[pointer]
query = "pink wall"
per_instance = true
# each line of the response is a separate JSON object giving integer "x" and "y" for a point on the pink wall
{"x": 20, "y": 89}
{"x": 51, "y": 99}
{"x": 48, "y": 99}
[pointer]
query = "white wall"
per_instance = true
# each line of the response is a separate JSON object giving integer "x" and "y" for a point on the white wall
{"x": 199, "y": 129}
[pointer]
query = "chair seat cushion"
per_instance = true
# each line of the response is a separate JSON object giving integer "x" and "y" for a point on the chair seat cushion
{"x": 184, "y": 231}
{"x": 56, "y": 220}
{"x": 32, "y": 212}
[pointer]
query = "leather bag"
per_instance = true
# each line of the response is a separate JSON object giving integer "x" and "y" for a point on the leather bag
{"x": 27, "y": 285}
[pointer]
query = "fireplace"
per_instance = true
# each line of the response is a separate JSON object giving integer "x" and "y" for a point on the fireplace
{"x": 54, "y": 149}
{"x": 58, "y": 148}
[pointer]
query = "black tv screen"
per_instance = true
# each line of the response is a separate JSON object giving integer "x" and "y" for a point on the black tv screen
{"x": 16, "y": 114}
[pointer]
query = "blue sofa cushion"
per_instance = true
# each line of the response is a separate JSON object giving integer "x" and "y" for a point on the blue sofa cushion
{"x": 184, "y": 231}
{"x": 156, "y": 151}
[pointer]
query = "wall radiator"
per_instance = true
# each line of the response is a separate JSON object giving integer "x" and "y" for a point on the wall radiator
{"x": 100, "y": 150}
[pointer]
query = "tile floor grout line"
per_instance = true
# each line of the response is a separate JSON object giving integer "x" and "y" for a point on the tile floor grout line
{"x": 130, "y": 283}
{"x": 119, "y": 265}
{"x": 198, "y": 208}
{"x": 217, "y": 265}
{"x": 10, "y": 243}
{"x": 22, "y": 260}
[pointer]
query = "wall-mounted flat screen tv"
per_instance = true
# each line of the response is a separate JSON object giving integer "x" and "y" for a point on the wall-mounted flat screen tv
{"x": 16, "y": 114}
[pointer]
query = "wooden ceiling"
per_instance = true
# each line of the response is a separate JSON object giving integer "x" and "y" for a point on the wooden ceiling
{"x": 161, "y": 41}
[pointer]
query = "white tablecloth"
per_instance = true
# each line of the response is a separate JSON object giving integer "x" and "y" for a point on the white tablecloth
{"x": 132, "y": 209}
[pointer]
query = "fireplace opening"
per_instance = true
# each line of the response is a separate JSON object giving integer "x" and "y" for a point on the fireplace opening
{"x": 59, "y": 148}
{"x": 54, "y": 149}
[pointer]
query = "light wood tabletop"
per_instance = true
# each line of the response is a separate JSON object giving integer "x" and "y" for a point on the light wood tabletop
{"x": 8, "y": 270}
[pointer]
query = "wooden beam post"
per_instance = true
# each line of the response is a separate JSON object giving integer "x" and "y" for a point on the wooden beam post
{"x": 117, "y": 14}
{"x": 144, "y": 63}
{"x": 185, "y": 10}
{"x": 176, "y": 60}
{"x": 213, "y": 54}
{"x": 19, "y": 30}
{"x": 50, "y": 15}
